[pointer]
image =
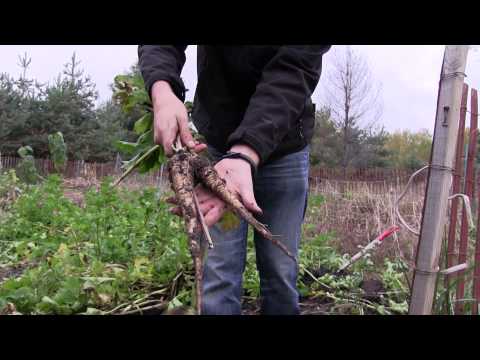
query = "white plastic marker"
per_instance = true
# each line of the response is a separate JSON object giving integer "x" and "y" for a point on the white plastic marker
{"x": 377, "y": 241}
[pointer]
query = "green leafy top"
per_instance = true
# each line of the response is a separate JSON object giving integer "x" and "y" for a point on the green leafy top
{"x": 130, "y": 93}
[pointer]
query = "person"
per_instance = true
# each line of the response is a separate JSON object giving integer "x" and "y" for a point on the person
{"x": 253, "y": 106}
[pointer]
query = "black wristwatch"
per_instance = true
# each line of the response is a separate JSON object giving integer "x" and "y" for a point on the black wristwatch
{"x": 236, "y": 155}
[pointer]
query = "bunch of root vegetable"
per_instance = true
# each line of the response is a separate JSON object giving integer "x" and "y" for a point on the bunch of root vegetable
{"x": 186, "y": 170}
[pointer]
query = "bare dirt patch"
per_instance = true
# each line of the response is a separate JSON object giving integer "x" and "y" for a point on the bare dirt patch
{"x": 13, "y": 271}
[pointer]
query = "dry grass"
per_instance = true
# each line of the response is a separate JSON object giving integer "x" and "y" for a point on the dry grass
{"x": 75, "y": 188}
{"x": 362, "y": 212}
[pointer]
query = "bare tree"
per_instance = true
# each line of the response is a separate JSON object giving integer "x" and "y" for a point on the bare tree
{"x": 353, "y": 98}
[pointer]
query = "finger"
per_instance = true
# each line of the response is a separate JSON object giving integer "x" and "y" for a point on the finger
{"x": 202, "y": 193}
{"x": 185, "y": 134}
{"x": 206, "y": 207}
{"x": 157, "y": 138}
{"x": 200, "y": 147}
{"x": 248, "y": 199}
{"x": 159, "y": 128}
{"x": 165, "y": 134}
{"x": 214, "y": 215}
{"x": 157, "y": 133}
{"x": 168, "y": 147}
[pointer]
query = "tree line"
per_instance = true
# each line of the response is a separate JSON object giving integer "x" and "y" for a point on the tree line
{"x": 31, "y": 111}
{"x": 346, "y": 131}
{"x": 367, "y": 147}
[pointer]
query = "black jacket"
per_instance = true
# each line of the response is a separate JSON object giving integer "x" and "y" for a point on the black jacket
{"x": 257, "y": 95}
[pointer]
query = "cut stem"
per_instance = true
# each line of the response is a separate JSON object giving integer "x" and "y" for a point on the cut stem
{"x": 136, "y": 164}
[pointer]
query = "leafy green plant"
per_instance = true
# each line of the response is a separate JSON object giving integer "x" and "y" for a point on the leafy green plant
{"x": 251, "y": 280}
{"x": 130, "y": 93}
{"x": 58, "y": 151}
{"x": 315, "y": 200}
{"x": 26, "y": 170}
{"x": 393, "y": 275}
{"x": 120, "y": 246}
{"x": 123, "y": 248}
{"x": 145, "y": 156}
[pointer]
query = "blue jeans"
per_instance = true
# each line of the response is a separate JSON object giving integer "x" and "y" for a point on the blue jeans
{"x": 281, "y": 189}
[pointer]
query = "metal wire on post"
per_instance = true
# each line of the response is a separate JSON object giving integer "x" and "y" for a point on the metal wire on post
{"x": 468, "y": 208}
{"x": 404, "y": 192}
{"x": 465, "y": 198}
{"x": 453, "y": 75}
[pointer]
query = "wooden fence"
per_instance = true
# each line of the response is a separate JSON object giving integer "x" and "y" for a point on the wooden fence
{"x": 88, "y": 170}
{"x": 376, "y": 180}
{"x": 363, "y": 174}
{"x": 319, "y": 185}
{"x": 462, "y": 246}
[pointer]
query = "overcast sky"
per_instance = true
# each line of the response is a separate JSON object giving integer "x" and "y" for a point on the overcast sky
{"x": 408, "y": 74}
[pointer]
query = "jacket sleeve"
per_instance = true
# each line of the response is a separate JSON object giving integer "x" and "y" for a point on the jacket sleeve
{"x": 162, "y": 62}
{"x": 287, "y": 81}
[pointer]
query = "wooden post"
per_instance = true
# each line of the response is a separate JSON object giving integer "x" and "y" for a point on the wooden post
{"x": 439, "y": 179}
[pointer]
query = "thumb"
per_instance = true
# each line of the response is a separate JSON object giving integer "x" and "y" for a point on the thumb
{"x": 248, "y": 199}
{"x": 185, "y": 134}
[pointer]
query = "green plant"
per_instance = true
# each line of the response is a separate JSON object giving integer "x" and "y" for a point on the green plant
{"x": 26, "y": 170}
{"x": 123, "y": 251}
{"x": 119, "y": 247}
{"x": 251, "y": 280}
{"x": 58, "y": 151}
{"x": 130, "y": 93}
{"x": 315, "y": 200}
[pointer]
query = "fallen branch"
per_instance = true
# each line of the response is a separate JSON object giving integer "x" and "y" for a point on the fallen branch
{"x": 141, "y": 310}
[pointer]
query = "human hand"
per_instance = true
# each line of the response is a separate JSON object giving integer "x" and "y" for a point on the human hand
{"x": 170, "y": 120}
{"x": 238, "y": 178}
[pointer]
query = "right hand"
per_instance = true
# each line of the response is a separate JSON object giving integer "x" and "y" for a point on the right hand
{"x": 238, "y": 178}
{"x": 171, "y": 120}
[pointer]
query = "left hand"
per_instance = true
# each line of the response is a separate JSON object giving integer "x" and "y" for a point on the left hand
{"x": 238, "y": 177}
